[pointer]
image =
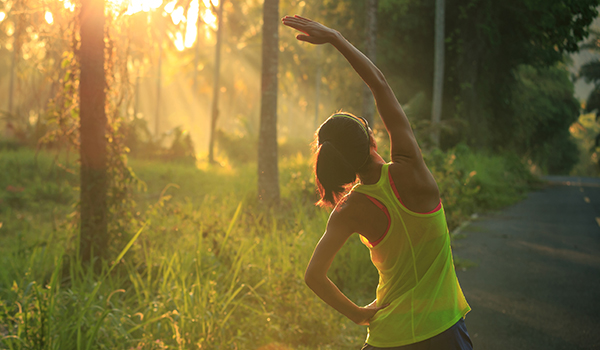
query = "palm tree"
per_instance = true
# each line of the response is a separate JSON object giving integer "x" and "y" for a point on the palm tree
{"x": 268, "y": 173}
{"x": 438, "y": 75}
{"x": 214, "y": 115}
{"x": 93, "y": 148}
{"x": 370, "y": 51}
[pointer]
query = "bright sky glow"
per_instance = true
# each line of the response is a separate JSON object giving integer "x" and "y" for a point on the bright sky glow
{"x": 207, "y": 3}
{"x": 210, "y": 19}
{"x": 2, "y": 16}
{"x": 179, "y": 41}
{"x": 190, "y": 27}
{"x": 49, "y": 18}
{"x": 170, "y": 6}
{"x": 68, "y": 5}
{"x": 182, "y": 40}
{"x": 138, "y": 5}
{"x": 177, "y": 15}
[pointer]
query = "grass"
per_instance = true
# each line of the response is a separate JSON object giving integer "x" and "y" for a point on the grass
{"x": 207, "y": 267}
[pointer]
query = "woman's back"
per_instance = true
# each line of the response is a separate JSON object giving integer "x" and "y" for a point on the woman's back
{"x": 417, "y": 277}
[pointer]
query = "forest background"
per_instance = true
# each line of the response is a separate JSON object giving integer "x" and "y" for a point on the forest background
{"x": 193, "y": 259}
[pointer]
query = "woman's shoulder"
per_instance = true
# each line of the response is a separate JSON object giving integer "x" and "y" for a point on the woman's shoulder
{"x": 360, "y": 213}
{"x": 414, "y": 185}
{"x": 351, "y": 207}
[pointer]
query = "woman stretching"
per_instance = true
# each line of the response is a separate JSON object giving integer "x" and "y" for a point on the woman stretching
{"x": 396, "y": 209}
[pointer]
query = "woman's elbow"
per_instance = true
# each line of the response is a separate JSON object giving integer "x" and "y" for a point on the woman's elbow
{"x": 308, "y": 277}
{"x": 311, "y": 278}
{"x": 378, "y": 83}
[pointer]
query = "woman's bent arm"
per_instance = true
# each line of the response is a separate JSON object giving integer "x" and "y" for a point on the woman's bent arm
{"x": 338, "y": 231}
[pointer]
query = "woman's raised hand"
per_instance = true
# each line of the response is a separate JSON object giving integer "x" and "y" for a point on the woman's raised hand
{"x": 314, "y": 32}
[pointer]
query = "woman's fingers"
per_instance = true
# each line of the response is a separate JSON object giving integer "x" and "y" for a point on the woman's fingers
{"x": 314, "y": 32}
{"x": 293, "y": 19}
{"x": 306, "y": 38}
{"x": 382, "y": 307}
{"x": 296, "y": 20}
{"x": 300, "y": 17}
{"x": 291, "y": 22}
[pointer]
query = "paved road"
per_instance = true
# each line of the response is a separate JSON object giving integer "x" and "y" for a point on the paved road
{"x": 536, "y": 283}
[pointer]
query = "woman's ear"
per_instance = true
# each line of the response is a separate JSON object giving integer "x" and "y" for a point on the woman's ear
{"x": 372, "y": 141}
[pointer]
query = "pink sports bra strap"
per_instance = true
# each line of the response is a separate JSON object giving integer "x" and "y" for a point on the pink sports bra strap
{"x": 387, "y": 213}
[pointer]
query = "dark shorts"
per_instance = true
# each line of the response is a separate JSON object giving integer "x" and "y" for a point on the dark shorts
{"x": 453, "y": 338}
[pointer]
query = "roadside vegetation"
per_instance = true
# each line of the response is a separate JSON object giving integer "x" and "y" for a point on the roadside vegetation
{"x": 176, "y": 250}
{"x": 208, "y": 267}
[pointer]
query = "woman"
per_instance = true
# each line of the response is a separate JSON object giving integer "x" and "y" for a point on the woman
{"x": 397, "y": 211}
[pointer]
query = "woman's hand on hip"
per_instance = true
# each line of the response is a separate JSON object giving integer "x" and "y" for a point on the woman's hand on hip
{"x": 365, "y": 314}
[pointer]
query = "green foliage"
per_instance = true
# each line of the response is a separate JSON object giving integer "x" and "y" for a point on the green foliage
{"x": 240, "y": 148}
{"x": 28, "y": 178}
{"x": 585, "y": 131}
{"x": 544, "y": 109}
{"x": 210, "y": 267}
{"x": 488, "y": 42}
{"x": 174, "y": 145}
{"x": 473, "y": 182}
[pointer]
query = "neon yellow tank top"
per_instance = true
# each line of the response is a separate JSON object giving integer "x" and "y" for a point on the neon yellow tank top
{"x": 416, "y": 272}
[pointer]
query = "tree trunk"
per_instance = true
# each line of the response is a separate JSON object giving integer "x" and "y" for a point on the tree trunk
{"x": 13, "y": 68}
{"x": 214, "y": 115}
{"x": 318, "y": 88}
{"x": 93, "y": 149}
{"x": 158, "y": 90}
{"x": 136, "y": 103}
{"x": 14, "y": 60}
{"x": 197, "y": 51}
{"x": 371, "y": 52}
{"x": 268, "y": 173}
{"x": 438, "y": 73}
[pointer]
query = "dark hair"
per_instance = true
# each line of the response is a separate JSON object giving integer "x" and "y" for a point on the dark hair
{"x": 342, "y": 149}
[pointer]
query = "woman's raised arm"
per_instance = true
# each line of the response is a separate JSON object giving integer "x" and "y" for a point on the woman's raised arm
{"x": 403, "y": 143}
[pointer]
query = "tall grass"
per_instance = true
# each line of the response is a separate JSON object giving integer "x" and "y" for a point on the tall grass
{"x": 207, "y": 268}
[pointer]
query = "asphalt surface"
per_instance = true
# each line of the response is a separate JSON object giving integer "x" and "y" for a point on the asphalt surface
{"x": 535, "y": 283}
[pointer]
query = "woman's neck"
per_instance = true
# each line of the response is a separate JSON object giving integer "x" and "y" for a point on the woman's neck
{"x": 373, "y": 172}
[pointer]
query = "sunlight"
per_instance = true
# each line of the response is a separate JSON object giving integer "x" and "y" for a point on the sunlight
{"x": 49, "y": 17}
{"x": 170, "y": 6}
{"x": 177, "y": 16}
{"x": 179, "y": 41}
{"x": 185, "y": 39}
{"x": 2, "y": 16}
{"x": 207, "y": 3}
{"x": 68, "y": 5}
{"x": 209, "y": 18}
{"x": 135, "y": 6}
{"x": 190, "y": 28}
